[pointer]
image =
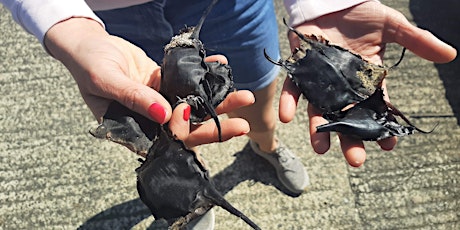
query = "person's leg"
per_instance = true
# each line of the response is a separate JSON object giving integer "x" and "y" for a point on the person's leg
{"x": 262, "y": 120}
{"x": 261, "y": 117}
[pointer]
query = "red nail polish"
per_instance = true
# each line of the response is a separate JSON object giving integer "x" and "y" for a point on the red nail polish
{"x": 187, "y": 111}
{"x": 157, "y": 112}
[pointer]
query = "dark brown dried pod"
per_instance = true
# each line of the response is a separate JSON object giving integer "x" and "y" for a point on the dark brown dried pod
{"x": 329, "y": 76}
{"x": 333, "y": 78}
{"x": 171, "y": 181}
{"x": 127, "y": 128}
{"x": 186, "y": 77}
{"x": 175, "y": 186}
{"x": 369, "y": 120}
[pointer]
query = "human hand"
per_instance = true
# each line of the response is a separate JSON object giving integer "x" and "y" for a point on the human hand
{"x": 207, "y": 132}
{"x": 363, "y": 29}
{"x": 110, "y": 68}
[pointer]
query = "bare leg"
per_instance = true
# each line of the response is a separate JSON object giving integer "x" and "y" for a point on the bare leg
{"x": 261, "y": 117}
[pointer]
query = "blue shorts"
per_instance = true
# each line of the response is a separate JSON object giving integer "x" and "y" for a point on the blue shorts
{"x": 238, "y": 29}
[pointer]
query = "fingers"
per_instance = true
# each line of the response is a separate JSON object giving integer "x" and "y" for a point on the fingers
{"x": 319, "y": 141}
{"x": 179, "y": 123}
{"x": 132, "y": 82}
{"x": 353, "y": 150}
{"x": 135, "y": 96}
{"x": 288, "y": 101}
{"x": 236, "y": 100}
{"x": 208, "y": 133}
{"x": 422, "y": 42}
{"x": 216, "y": 58}
{"x": 388, "y": 144}
{"x": 143, "y": 100}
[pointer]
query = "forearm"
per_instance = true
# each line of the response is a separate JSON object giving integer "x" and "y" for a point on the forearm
{"x": 37, "y": 17}
{"x": 305, "y": 10}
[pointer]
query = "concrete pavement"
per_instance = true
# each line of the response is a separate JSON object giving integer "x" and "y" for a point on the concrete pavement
{"x": 54, "y": 175}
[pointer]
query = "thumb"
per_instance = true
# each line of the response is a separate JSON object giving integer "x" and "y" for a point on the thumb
{"x": 422, "y": 42}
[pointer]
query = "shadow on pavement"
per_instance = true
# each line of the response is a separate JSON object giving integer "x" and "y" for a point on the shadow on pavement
{"x": 247, "y": 166}
{"x": 442, "y": 19}
{"x": 122, "y": 216}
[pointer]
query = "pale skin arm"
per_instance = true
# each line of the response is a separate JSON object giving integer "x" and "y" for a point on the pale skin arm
{"x": 364, "y": 29}
{"x": 108, "y": 68}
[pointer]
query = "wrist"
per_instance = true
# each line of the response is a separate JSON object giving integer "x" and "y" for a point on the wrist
{"x": 62, "y": 39}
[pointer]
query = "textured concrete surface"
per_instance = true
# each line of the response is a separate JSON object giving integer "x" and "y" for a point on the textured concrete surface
{"x": 54, "y": 175}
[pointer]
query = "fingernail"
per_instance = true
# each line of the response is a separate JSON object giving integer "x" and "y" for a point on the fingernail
{"x": 157, "y": 112}
{"x": 187, "y": 111}
{"x": 243, "y": 133}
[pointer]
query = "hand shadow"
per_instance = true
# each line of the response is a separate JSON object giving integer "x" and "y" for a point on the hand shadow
{"x": 122, "y": 216}
{"x": 247, "y": 166}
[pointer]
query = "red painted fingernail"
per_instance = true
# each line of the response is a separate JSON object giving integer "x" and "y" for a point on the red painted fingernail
{"x": 187, "y": 111}
{"x": 157, "y": 112}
